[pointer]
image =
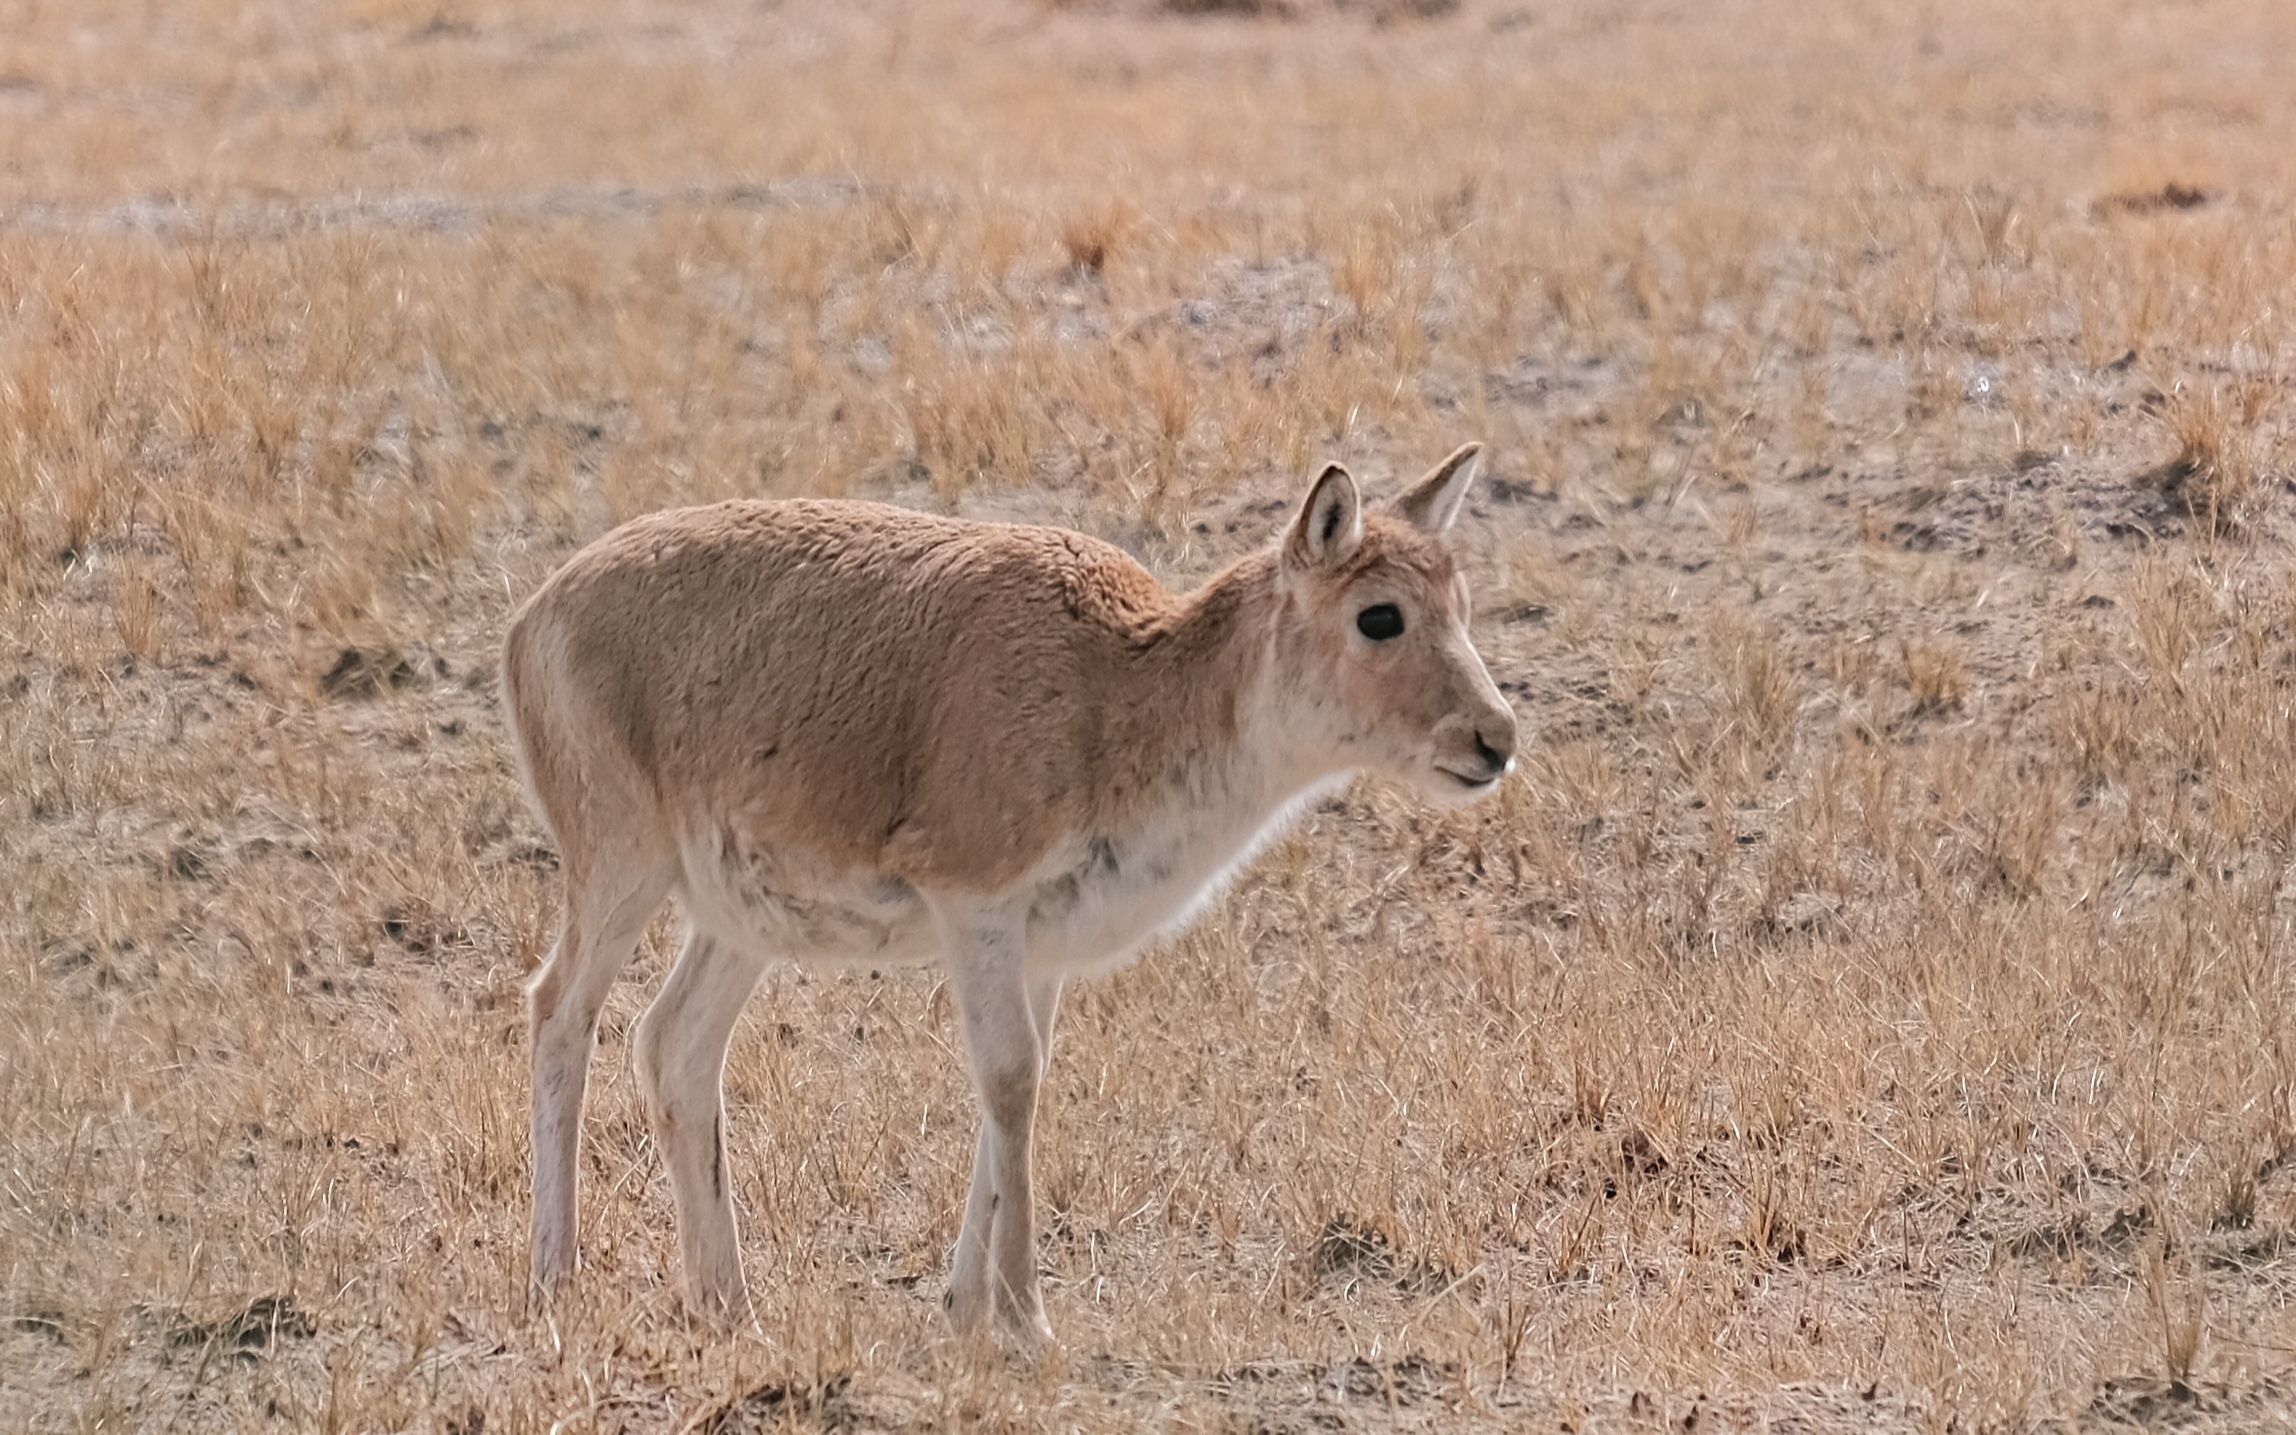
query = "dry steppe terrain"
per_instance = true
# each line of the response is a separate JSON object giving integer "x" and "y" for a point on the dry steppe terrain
{"x": 1868, "y": 1007}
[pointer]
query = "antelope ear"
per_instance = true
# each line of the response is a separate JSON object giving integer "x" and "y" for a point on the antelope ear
{"x": 1433, "y": 502}
{"x": 1330, "y": 524}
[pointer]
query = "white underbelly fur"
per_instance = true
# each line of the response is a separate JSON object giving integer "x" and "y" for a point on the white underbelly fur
{"x": 1089, "y": 908}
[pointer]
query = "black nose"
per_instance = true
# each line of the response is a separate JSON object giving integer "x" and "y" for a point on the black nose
{"x": 1494, "y": 758}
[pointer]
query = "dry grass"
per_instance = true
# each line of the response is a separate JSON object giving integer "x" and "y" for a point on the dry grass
{"x": 1867, "y": 1008}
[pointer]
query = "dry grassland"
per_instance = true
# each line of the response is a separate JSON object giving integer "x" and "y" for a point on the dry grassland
{"x": 1868, "y": 1008}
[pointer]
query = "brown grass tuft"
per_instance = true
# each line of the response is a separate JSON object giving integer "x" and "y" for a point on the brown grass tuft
{"x": 2217, "y": 473}
{"x": 1091, "y": 236}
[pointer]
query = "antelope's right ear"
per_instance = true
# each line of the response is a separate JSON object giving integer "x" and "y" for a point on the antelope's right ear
{"x": 1433, "y": 502}
{"x": 1330, "y": 524}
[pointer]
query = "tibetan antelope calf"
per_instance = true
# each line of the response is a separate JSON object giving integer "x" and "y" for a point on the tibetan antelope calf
{"x": 846, "y": 733}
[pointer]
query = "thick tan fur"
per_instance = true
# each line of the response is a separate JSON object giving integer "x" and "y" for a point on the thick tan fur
{"x": 925, "y": 697}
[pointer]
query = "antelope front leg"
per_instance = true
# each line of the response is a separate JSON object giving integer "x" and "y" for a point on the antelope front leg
{"x": 995, "y": 1260}
{"x": 970, "y": 1288}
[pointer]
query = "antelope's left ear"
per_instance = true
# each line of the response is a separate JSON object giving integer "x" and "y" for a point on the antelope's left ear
{"x": 1433, "y": 502}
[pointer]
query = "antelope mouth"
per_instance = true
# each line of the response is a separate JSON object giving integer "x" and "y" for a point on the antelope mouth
{"x": 1483, "y": 783}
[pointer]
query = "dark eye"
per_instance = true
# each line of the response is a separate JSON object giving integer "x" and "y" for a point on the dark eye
{"x": 1380, "y": 622}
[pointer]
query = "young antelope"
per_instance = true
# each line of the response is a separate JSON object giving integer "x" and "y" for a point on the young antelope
{"x": 841, "y": 732}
